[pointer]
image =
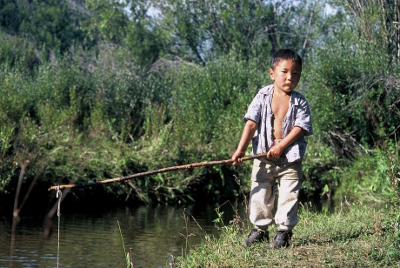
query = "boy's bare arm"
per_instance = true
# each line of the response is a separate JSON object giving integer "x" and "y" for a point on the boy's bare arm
{"x": 248, "y": 133}
{"x": 276, "y": 150}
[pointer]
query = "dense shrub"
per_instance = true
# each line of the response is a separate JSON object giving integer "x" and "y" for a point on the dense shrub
{"x": 94, "y": 114}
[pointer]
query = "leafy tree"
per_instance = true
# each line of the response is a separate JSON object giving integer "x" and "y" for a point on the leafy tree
{"x": 378, "y": 21}
{"x": 144, "y": 38}
{"x": 203, "y": 30}
{"x": 108, "y": 21}
{"x": 10, "y": 17}
{"x": 18, "y": 52}
{"x": 49, "y": 22}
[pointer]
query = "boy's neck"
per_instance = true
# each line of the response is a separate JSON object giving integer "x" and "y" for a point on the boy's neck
{"x": 281, "y": 93}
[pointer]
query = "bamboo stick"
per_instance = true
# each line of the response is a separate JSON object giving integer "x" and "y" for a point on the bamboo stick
{"x": 147, "y": 173}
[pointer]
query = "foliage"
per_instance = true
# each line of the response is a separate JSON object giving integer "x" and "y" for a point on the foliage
{"x": 147, "y": 42}
{"x": 319, "y": 168}
{"x": 206, "y": 119}
{"x": 109, "y": 89}
{"x": 213, "y": 99}
{"x": 17, "y": 51}
{"x": 78, "y": 117}
{"x": 49, "y": 22}
{"x": 373, "y": 176}
{"x": 108, "y": 23}
{"x": 251, "y": 29}
{"x": 362, "y": 84}
{"x": 10, "y": 18}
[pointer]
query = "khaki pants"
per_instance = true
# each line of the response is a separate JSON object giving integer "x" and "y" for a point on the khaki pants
{"x": 262, "y": 195}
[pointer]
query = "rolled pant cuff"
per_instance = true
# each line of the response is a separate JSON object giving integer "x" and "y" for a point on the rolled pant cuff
{"x": 285, "y": 227}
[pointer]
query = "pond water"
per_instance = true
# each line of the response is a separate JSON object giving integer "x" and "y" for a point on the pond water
{"x": 93, "y": 238}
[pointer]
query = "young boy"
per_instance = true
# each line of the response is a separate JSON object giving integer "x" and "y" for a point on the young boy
{"x": 277, "y": 120}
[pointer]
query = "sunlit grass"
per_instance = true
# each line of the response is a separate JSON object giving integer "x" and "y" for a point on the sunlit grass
{"x": 354, "y": 235}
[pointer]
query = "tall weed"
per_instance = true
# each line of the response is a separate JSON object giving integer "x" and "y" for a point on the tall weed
{"x": 373, "y": 176}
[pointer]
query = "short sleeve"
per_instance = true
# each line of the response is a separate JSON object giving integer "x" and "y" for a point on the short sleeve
{"x": 254, "y": 111}
{"x": 303, "y": 117}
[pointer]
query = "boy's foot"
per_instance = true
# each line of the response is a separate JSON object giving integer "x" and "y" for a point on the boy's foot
{"x": 282, "y": 239}
{"x": 256, "y": 235}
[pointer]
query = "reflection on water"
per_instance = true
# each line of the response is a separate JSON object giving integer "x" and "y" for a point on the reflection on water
{"x": 93, "y": 238}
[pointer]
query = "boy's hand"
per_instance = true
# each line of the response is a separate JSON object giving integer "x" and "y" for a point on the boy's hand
{"x": 236, "y": 157}
{"x": 275, "y": 151}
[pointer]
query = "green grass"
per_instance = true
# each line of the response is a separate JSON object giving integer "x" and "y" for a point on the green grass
{"x": 352, "y": 236}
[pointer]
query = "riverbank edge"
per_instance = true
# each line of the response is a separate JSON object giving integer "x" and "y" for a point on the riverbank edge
{"x": 352, "y": 236}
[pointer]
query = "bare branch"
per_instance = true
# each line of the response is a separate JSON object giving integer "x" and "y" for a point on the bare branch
{"x": 309, "y": 26}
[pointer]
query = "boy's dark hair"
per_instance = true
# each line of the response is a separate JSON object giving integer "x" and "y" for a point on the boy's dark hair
{"x": 285, "y": 54}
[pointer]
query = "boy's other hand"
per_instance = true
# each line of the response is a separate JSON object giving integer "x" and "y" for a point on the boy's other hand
{"x": 275, "y": 151}
{"x": 236, "y": 157}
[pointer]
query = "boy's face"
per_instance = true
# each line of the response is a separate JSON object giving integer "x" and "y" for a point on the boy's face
{"x": 286, "y": 76}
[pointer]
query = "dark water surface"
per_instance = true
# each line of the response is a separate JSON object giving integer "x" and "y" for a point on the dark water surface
{"x": 93, "y": 239}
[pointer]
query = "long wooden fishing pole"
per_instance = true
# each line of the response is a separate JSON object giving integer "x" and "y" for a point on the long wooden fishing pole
{"x": 187, "y": 166}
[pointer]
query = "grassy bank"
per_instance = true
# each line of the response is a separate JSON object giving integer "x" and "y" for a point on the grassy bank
{"x": 355, "y": 235}
{"x": 363, "y": 232}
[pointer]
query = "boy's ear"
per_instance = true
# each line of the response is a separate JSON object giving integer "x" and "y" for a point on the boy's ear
{"x": 271, "y": 74}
